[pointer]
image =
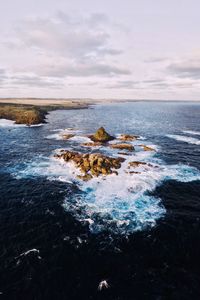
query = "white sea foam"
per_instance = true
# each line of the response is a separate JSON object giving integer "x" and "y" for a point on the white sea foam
{"x": 192, "y": 132}
{"x": 186, "y": 139}
{"x": 80, "y": 139}
{"x": 122, "y": 202}
{"x": 9, "y": 123}
{"x": 30, "y": 251}
{"x": 51, "y": 168}
{"x": 35, "y": 125}
{"x": 60, "y": 132}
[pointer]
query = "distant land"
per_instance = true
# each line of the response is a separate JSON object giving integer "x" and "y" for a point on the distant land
{"x": 33, "y": 111}
{"x": 78, "y": 102}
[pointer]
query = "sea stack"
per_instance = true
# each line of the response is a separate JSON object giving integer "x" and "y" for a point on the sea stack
{"x": 101, "y": 136}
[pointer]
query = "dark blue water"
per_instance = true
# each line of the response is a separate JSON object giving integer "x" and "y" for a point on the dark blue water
{"x": 155, "y": 256}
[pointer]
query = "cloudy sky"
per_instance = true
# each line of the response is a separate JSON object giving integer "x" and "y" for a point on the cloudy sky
{"x": 130, "y": 49}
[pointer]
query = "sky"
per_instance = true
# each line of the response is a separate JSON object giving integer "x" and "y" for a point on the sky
{"x": 130, "y": 49}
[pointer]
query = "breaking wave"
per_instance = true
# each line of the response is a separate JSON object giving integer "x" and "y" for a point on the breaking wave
{"x": 9, "y": 123}
{"x": 185, "y": 139}
{"x": 58, "y": 133}
{"x": 192, "y": 132}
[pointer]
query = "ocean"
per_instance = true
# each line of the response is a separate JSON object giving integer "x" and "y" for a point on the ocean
{"x": 139, "y": 233}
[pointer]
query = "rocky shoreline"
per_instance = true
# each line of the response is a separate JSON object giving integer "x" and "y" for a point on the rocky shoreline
{"x": 33, "y": 114}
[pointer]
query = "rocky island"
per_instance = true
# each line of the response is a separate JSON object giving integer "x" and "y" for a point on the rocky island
{"x": 96, "y": 164}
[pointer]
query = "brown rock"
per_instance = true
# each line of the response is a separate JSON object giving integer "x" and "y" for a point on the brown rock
{"x": 147, "y": 148}
{"x": 90, "y": 165}
{"x": 135, "y": 164}
{"x": 101, "y": 136}
{"x": 128, "y": 137}
{"x": 92, "y": 144}
{"x": 122, "y": 147}
{"x": 67, "y": 136}
{"x": 133, "y": 172}
{"x": 85, "y": 177}
{"x": 123, "y": 153}
{"x": 115, "y": 172}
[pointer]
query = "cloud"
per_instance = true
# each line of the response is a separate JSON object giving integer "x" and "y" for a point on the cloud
{"x": 64, "y": 46}
{"x": 125, "y": 84}
{"x": 34, "y": 81}
{"x": 2, "y": 76}
{"x": 68, "y": 37}
{"x": 2, "y": 72}
{"x": 186, "y": 68}
{"x": 155, "y": 59}
{"x": 152, "y": 84}
{"x": 64, "y": 68}
{"x": 27, "y": 80}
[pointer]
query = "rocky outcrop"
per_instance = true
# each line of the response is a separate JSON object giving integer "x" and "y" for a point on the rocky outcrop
{"x": 124, "y": 153}
{"x": 101, "y": 136}
{"x": 132, "y": 172}
{"x": 136, "y": 164}
{"x": 147, "y": 148}
{"x": 92, "y": 144}
{"x": 23, "y": 114}
{"x": 122, "y": 147}
{"x": 128, "y": 137}
{"x": 92, "y": 165}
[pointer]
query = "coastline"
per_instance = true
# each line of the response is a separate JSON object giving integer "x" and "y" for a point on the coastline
{"x": 34, "y": 111}
{"x": 48, "y": 102}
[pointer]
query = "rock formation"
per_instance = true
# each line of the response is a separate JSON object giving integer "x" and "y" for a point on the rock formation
{"x": 92, "y": 144}
{"x": 101, "y": 136}
{"x": 136, "y": 164}
{"x": 128, "y": 137}
{"x": 147, "y": 148}
{"x": 122, "y": 147}
{"x": 93, "y": 164}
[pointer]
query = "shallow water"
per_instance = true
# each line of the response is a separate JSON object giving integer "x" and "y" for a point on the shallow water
{"x": 140, "y": 232}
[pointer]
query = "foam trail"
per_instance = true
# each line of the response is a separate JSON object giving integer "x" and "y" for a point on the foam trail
{"x": 192, "y": 132}
{"x": 185, "y": 139}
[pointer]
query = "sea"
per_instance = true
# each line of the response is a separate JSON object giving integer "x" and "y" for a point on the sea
{"x": 131, "y": 236}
